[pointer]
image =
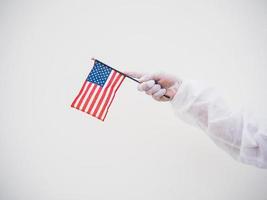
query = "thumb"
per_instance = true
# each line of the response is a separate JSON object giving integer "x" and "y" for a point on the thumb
{"x": 134, "y": 74}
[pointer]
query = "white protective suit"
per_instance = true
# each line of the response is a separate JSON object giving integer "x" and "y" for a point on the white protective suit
{"x": 238, "y": 133}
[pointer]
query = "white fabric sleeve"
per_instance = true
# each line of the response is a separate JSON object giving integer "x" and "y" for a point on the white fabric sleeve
{"x": 234, "y": 131}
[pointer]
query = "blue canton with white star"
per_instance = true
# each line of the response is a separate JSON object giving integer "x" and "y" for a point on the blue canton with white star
{"x": 99, "y": 74}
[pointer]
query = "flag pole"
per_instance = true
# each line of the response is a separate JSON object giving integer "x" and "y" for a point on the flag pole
{"x": 123, "y": 73}
{"x": 117, "y": 71}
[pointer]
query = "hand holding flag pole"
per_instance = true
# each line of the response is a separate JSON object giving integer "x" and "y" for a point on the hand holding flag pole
{"x": 125, "y": 74}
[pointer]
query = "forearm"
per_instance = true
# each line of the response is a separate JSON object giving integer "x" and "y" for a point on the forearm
{"x": 201, "y": 106}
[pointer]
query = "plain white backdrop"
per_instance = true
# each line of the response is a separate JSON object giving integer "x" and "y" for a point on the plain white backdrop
{"x": 49, "y": 151}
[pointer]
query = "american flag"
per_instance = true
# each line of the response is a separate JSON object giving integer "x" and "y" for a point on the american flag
{"x": 98, "y": 90}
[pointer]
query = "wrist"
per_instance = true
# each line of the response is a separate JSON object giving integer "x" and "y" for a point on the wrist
{"x": 174, "y": 89}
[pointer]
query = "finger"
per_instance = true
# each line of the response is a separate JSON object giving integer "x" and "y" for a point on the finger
{"x": 146, "y": 77}
{"x": 159, "y": 93}
{"x": 146, "y": 85}
{"x": 134, "y": 74}
{"x": 157, "y": 98}
{"x": 154, "y": 89}
{"x": 163, "y": 98}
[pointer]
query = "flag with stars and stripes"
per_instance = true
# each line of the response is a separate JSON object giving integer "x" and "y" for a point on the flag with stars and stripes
{"x": 98, "y": 90}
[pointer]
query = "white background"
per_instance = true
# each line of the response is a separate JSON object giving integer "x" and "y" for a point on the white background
{"x": 49, "y": 151}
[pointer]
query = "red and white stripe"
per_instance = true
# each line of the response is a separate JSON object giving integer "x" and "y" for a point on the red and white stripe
{"x": 96, "y": 100}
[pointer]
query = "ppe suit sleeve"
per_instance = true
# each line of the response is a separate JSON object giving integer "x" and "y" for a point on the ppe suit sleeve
{"x": 234, "y": 131}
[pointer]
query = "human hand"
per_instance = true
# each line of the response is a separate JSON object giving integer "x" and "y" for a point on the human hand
{"x": 159, "y": 86}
